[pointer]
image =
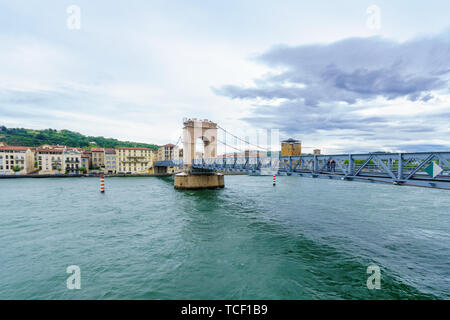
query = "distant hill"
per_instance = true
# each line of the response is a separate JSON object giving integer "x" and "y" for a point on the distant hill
{"x": 34, "y": 138}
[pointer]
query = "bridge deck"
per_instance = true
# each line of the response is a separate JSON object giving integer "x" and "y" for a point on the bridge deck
{"x": 423, "y": 169}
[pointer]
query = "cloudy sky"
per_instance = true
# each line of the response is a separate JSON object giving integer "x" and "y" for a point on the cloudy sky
{"x": 347, "y": 76}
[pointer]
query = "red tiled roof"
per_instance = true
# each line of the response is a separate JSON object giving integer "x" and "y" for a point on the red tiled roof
{"x": 49, "y": 150}
{"x": 14, "y": 148}
{"x": 110, "y": 151}
{"x": 97, "y": 149}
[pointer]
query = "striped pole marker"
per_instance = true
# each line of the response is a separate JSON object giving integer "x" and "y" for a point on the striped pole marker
{"x": 102, "y": 182}
{"x": 274, "y": 181}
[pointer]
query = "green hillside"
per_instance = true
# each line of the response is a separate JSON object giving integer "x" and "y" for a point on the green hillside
{"x": 34, "y": 138}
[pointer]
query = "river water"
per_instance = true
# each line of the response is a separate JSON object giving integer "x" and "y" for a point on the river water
{"x": 303, "y": 239}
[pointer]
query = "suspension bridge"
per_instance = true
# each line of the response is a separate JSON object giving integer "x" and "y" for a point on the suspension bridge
{"x": 421, "y": 169}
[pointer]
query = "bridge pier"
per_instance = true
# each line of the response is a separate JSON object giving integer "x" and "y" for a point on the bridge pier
{"x": 206, "y": 130}
{"x": 193, "y": 181}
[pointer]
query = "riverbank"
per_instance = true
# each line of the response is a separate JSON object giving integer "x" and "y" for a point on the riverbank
{"x": 40, "y": 176}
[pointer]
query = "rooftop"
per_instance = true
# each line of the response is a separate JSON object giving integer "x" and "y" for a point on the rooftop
{"x": 14, "y": 148}
{"x": 40, "y": 149}
{"x": 133, "y": 148}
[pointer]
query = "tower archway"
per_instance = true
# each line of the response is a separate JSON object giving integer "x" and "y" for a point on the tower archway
{"x": 205, "y": 132}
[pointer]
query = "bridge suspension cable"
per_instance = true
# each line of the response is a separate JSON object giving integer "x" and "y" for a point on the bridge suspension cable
{"x": 229, "y": 146}
{"x": 179, "y": 139}
{"x": 254, "y": 145}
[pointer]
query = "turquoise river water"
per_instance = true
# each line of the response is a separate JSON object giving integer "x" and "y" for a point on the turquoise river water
{"x": 303, "y": 239}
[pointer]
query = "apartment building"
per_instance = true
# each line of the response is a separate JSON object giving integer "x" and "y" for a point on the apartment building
{"x": 49, "y": 160}
{"x": 71, "y": 160}
{"x": 85, "y": 162}
{"x": 98, "y": 158}
{"x": 134, "y": 160}
{"x": 110, "y": 161}
{"x": 168, "y": 152}
{"x": 16, "y": 160}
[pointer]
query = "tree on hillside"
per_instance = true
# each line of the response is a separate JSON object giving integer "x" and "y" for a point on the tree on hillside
{"x": 34, "y": 138}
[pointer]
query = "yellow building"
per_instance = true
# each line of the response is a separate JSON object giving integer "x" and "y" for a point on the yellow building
{"x": 169, "y": 152}
{"x": 98, "y": 158}
{"x": 85, "y": 162}
{"x": 291, "y": 147}
{"x": 134, "y": 160}
{"x": 16, "y": 160}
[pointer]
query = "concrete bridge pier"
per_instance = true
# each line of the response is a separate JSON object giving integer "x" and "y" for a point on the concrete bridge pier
{"x": 192, "y": 181}
{"x": 206, "y": 131}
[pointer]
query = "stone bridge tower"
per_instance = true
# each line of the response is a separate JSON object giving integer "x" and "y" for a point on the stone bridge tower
{"x": 194, "y": 129}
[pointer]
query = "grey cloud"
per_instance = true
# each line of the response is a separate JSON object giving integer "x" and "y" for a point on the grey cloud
{"x": 316, "y": 79}
{"x": 351, "y": 70}
{"x": 296, "y": 117}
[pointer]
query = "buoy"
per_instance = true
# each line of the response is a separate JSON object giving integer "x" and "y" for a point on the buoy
{"x": 102, "y": 182}
{"x": 274, "y": 181}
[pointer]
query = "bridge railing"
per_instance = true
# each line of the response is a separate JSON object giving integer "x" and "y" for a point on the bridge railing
{"x": 236, "y": 163}
{"x": 401, "y": 168}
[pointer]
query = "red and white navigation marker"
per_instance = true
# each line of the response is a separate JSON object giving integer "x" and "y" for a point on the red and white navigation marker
{"x": 102, "y": 182}
{"x": 274, "y": 181}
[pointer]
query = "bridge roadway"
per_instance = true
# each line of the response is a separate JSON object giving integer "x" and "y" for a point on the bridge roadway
{"x": 397, "y": 168}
